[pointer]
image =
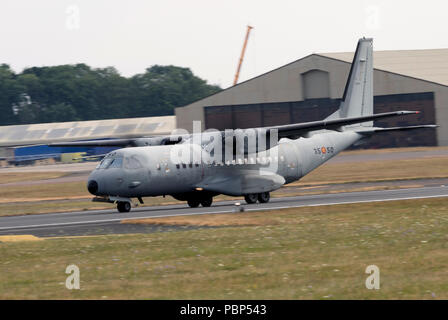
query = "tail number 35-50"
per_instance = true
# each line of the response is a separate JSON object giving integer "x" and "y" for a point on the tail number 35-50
{"x": 323, "y": 150}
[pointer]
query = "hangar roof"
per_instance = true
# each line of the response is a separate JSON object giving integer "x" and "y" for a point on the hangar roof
{"x": 426, "y": 64}
{"x": 44, "y": 133}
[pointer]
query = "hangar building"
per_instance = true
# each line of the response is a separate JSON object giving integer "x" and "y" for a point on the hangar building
{"x": 310, "y": 89}
{"x": 28, "y": 142}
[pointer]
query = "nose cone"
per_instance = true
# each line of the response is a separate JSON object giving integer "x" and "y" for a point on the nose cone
{"x": 92, "y": 186}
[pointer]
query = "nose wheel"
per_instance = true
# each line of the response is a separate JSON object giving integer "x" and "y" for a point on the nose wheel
{"x": 124, "y": 206}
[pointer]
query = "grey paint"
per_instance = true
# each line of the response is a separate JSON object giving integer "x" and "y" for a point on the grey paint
{"x": 156, "y": 173}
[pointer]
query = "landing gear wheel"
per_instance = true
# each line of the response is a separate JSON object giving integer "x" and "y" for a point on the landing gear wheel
{"x": 193, "y": 203}
{"x": 124, "y": 206}
{"x": 206, "y": 202}
{"x": 264, "y": 197}
{"x": 251, "y": 198}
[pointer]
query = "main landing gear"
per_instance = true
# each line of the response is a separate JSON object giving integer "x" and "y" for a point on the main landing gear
{"x": 205, "y": 201}
{"x": 123, "y": 206}
{"x": 263, "y": 197}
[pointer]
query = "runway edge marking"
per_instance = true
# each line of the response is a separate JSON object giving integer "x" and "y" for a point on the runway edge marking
{"x": 17, "y": 238}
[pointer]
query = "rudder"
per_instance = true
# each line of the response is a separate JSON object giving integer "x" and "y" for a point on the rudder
{"x": 357, "y": 99}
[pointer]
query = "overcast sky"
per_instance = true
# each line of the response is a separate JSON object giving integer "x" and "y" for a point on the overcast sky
{"x": 207, "y": 35}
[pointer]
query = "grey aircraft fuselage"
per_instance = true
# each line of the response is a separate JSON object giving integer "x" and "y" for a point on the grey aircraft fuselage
{"x": 152, "y": 170}
{"x": 148, "y": 166}
{"x": 149, "y": 171}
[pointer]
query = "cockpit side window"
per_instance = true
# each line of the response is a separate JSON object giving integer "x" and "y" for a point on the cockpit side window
{"x": 132, "y": 162}
{"x": 105, "y": 163}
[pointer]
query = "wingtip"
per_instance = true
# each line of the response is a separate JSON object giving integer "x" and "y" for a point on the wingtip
{"x": 408, "y": 112}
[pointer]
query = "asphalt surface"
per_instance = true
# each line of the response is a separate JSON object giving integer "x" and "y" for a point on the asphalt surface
{"x": 108, "y": 221}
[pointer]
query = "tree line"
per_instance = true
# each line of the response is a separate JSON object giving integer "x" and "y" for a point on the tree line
{"x": 79, "y": 92}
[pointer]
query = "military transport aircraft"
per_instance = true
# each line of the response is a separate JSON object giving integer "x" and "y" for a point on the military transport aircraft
{"x": 215, "y": 163}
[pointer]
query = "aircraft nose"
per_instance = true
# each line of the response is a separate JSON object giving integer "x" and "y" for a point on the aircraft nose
{"x": 92, "y": 186}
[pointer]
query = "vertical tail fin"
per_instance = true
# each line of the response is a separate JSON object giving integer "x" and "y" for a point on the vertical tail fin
{"x": 358, "y": 94}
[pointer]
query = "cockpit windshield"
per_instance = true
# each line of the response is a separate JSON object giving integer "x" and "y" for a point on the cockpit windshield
{"x": 115, "y": 160}
{"x": 111, "y": 163}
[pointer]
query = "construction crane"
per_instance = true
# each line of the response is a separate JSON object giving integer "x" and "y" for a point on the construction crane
{"x": 242, "y": 55}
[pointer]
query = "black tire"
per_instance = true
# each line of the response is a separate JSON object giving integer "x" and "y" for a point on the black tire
{"x": 124, "y": 206}
{"x": 207, "y": 202}
{"x": 251, "y": 198}
{"x": 264, "y": 197}
{"x": 193, "y": 203}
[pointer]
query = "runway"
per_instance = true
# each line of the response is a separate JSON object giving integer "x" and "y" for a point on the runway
{"x": 108, "y": 221}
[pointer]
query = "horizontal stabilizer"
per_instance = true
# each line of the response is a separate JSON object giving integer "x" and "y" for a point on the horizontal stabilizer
{"x": 299, "y": 129}
{"x": 376, "y": 130}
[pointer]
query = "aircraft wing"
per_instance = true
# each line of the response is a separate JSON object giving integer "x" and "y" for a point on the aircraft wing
{"x": 96, "y": 143}
{"x": 289, "y": 130}
{"x": 123, "y": 143}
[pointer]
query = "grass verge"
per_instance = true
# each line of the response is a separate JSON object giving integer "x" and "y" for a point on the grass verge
{"x": 9, "y": 177}
{"x": 300, "y": 253}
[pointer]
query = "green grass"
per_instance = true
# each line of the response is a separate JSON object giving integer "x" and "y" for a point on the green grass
{"x": 10, "y": 177}
{"x": 300, "y": 253}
